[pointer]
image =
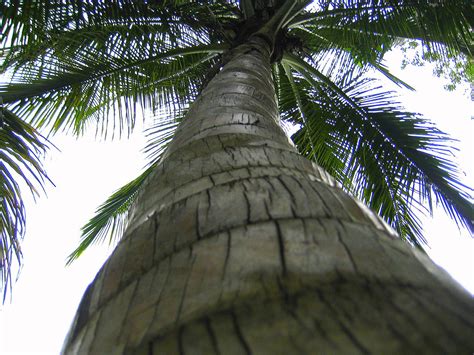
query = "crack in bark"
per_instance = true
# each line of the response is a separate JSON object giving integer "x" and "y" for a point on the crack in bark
{"x": 248, "y": 204}
{"x": 150, "y": 348}
{"x": 183, "y": 295}
{"x": 345, "y": 330}
{"x": 298, "y": 182}
{"x": 161, "y": 291}
{"x": 401, "y": 311}
{"x": 335, "y": 194}
{"x": 208, "y": 209}
{"x": 241, "y": 180}
{"x": 84, "y": 310}
{"x": 392, "y": 247}
{"x": 268, "y": 180}
{"x": 156, "y": 226}
{"x": 433, "y": 316}
{"x": 212, "y": 335}
{"x": 127, "y": 312}
{"x": 306, "y": 233}
{"x": 292, "y": 196}
{"x": 230, "y": 151}
{"x": 294, "y": 343}
{"x": 240, "y": 336}
{"x": 467, "y": 322}
{"x": 180, "y": 341}
{"x": 348, "y": 251}
{"x": 281, "y": 247}
{"x": 227, "y": 255}
{"x": 94, "y": 334}
{"x": 327, "y": 210}
{"x": 270, "y": 163}
{"x": 267, "y": 210}
{"x": 323, "y": 333}
{"x": 283, "y": 291}
{"x": 211, "y": 177}
{"x": 367, "y": 286}
{"x": 198, "y": 228}
{"x": 261, "y": 279}
{"x": 293, "y": 314}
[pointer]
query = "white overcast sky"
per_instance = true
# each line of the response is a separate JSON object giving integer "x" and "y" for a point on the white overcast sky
{"x": 86, "y": 172}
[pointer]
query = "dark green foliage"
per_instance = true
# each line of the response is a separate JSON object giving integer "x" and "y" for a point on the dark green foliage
{"x": 21, "y": 150}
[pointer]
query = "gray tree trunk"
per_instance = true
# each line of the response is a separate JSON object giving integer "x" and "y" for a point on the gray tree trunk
{"x": 238, "y": 245}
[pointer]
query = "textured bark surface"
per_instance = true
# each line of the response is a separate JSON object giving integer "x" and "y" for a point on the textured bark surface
{"x": 238, "y": 245}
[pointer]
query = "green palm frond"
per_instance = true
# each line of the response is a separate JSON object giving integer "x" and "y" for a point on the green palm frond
{"x": 444, "y": 25}
{"x": 93, "y": 59}
{"x": 21, "y": 150}
{"x": 160, "y": 134}
{"x": 86, "y": 91}
{"x": 391, "y": 159}
{"x": 355, "y": 36}
{"x": 29, "y": 22}
{"x": 110, "y": 219}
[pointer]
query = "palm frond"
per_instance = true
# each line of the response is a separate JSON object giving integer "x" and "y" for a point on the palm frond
{"x": 445, "y": 22}
{"x": 356, "y": 36}
{"x": 160, "y": 134}
{"x": 29, "y": 22}
{"x": 21, "y": 150}
{"x": 87, "y": 91}
{"x": 391, "y": 159}
{"x": 92, "y": 58}
{"x": 110, "y": 219}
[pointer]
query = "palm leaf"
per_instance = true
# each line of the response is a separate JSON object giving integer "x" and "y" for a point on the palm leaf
{"x": 446, "y": 22}
{"x": 21, "y": 150}
{"x": 111, "y": 217}
{"x": 355, "y": 37}
{"x": 381, "y": 154}
{"x": 85, "y": 91}
{"x": 92, "y": 59}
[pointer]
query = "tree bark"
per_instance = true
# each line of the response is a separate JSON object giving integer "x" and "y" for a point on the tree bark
{"x": 239, "y": 245}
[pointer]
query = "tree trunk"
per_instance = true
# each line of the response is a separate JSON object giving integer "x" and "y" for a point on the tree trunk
{"x": 239, "y": 245}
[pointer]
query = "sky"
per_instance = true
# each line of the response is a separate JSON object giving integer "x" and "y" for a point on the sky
{"x": 87, "y": 171}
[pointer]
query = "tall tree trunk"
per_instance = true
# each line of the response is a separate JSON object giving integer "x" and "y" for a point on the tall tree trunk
{"x": 239, "y": 245}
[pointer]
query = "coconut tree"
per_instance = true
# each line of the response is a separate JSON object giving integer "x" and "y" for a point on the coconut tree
{"x": 236, "y": 239}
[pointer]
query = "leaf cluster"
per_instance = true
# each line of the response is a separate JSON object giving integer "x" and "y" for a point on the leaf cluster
{"x": 21, "y": 151}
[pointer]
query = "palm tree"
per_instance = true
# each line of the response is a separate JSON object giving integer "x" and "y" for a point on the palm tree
{"x": 234, "y": 239}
